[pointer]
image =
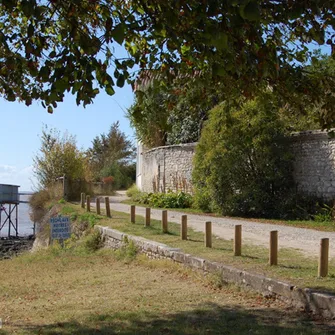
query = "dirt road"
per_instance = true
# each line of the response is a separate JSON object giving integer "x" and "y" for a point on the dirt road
{"x": 305, "y": 240}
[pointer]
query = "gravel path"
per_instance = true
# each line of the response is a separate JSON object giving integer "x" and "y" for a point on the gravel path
{"x": 305, "y": 240}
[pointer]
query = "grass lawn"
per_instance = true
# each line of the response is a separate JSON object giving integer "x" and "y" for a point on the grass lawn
{"x": 309, "y": 224}
{"x": 293, "y": 266}
{"x": 67, "y": 292}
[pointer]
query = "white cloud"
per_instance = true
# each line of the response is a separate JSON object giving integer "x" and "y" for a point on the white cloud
{"x": 12, "y": 175}
{"x": 7, "y": 169}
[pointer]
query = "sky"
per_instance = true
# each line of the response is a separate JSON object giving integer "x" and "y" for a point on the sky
{"x": 21, "y": 127}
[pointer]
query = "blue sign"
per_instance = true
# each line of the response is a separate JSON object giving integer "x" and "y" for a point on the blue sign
{"x": 60, "y": 227}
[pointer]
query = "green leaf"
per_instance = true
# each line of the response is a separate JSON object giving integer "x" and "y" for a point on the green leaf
{"x": 220, "y": 41}
{"x": 109, "y": 24}
{"x": 61, "y": 85}
{"x": 50, "y": 110}
{"x": 27, "y": 8}
{"x": 30, "y": 30}
{"x": 185, "y": 49}
{"x": 44, "y": 73}
{"x": 110, "y": 90}
{"x": 219, "y": 70}
{"x": 52, "y": 54}
{"x": 10, "y": 96}
{"x": 251, "y": 12}
{"x": 296, "y": 12}
{"x": 120, "y": 81}
{"x": 118, "y": 33}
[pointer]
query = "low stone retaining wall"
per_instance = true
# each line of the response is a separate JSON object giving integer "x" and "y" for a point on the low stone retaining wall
{"x": 13, "y": 247}
{"x": 319, "y": 303}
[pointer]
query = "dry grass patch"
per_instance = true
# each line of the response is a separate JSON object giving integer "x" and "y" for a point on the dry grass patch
{"x": 61, "y": 292}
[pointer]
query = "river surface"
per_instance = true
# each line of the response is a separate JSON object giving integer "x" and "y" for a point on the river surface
{"x": 25, "y": 224}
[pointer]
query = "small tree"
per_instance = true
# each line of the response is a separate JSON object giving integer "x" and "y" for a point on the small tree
{"x": 112, "y": 155}
{"x": 58, "y": 156}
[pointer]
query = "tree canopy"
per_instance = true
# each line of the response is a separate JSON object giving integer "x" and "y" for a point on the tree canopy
{"x": 50, "y": 47}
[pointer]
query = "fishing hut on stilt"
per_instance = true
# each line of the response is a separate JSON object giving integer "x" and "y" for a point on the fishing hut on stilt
{"x": 9, "y": 209}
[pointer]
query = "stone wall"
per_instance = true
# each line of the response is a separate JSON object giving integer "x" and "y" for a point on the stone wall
{"x": 314, "y": 168}
{"x": 170, "y": 167}
{"x": 166, "y": 168}
{"x": 316, "y": 302}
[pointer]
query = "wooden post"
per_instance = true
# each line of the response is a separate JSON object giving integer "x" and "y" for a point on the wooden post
{"x": 88, "y": 203}
{"x": 184, "y": 227}
{"x": 164, "y": 221}
{"x": 132, "y": 213}
{"x": 108, "y": 209}
{"x": 82, "y": 200}
{"x": 208, "y": 234}
{"x": 273, "y": 256}
{"x": 323, "y": 259}
{"x": 97, "y": 205}
{"x": 238, "y": 240}
{"x": 147, "y": 216}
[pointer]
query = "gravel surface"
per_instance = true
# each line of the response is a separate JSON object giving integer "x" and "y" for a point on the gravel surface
{"x": 305, "y": 240}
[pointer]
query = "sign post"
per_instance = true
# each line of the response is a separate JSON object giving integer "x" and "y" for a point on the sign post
{"x": 60, "y": 228}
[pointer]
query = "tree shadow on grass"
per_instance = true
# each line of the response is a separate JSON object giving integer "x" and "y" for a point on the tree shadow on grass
{"x": 195, "y": 240}
{"x": 206, "y": 319}
{"x": 249, "y": 256}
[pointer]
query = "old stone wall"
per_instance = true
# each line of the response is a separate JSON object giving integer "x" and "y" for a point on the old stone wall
{"x": 166, "y": 168}
{"x": 170, "y": 167}
{"x": 314, "y": 166}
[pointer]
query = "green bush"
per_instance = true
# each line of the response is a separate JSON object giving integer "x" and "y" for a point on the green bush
{"x": 128, "y": 250}
{"x": 92, "y": 242}
{"x": 202, "y": 200}
{"x": 243, "y": 165}
{"x": 164, "y": 200}
{"x": 133, "y": 191}
{"x": 90, "y": 218}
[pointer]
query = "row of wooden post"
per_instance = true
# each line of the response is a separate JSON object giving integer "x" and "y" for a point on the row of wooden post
{"x": 87, "y": 199}
{"x": 273, "y": 248}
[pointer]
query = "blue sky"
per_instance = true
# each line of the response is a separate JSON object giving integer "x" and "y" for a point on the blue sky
{"x": 21, "y": 127}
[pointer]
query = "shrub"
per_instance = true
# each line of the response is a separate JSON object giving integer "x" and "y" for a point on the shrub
{"x": 133, "y": 191}
{"x": 202, "y": 200}
{"x": 93, "y": 242}
{"x": 164, "y": 200}
{"x": 128, "y": 250}
{"x": 90, "y": 218}
{"x": 243, "y": 165}
{"x": 39, "y": 199}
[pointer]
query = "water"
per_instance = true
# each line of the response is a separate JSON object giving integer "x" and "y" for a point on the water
{"x": 25, "y": 224}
